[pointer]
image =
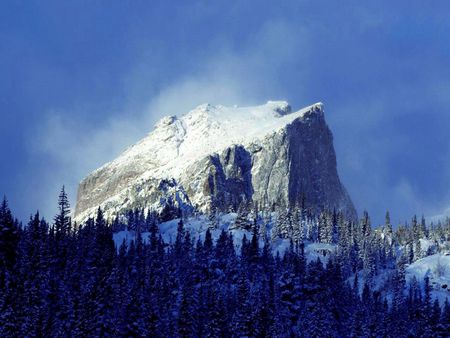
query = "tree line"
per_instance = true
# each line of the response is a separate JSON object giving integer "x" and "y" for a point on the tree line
{"x": 59, "y": 280}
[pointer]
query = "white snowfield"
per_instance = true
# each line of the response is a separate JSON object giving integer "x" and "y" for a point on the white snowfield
{"x": 437, "y": 268}
{"x": 177, "y": 142}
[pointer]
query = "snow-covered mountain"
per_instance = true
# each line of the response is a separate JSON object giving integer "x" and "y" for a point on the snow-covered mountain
{"x": 215, "y": 157}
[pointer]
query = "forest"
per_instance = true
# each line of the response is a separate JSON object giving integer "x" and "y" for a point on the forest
{"x": 60, "y": 279}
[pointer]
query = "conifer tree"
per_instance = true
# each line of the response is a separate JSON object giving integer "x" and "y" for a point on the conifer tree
{"x": 9, "y": 238}
{"x": 62, "y": 219}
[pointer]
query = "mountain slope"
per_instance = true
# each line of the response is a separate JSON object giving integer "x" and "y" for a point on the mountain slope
{"x": 215, "y": 157}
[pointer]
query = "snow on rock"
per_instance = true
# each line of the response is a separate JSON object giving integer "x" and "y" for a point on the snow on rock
{"x": 437, "y": 268}
{"x": 426, "y": 244}
{"x": 323, "y": 251}
{"x": 218, "y": 156}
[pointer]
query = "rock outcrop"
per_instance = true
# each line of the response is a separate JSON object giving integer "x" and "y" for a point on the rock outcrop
{"x": 215, "y": 157}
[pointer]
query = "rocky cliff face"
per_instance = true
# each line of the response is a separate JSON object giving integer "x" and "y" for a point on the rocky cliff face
{"x": 215, "y": 157}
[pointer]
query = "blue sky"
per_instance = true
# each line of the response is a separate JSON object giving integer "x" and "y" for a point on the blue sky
{"x": 82, "y": 80}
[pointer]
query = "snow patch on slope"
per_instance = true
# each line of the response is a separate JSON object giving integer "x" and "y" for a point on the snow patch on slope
{"x": 437, "y": 268}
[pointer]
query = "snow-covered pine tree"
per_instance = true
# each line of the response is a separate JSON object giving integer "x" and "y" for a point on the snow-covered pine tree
{"x": 242, "y": 221}
{"x": 62, "y": 219}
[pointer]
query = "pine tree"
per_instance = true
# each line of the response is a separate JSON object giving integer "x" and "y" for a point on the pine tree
{"x": 9, "y": 291}
{"x": 388, "y": 225}
{"x": 284, "y": 224}
{"x": 417, "y": 250}
{"x": 415, "y": 229}
{"x": 62, "y": 219}
{"x": 427, "y": 295}
{"x": 187, "y": 310}
{"x": 242, "y": 322}
{"x": 423, "y": 228}
{"x": 217, "y": 324}
{"x": 435, "y": 315}
{"x": 410, "y": 253}
{"x": 445, "y": 318}
{"x": 9, "y": 238}
{"x": 289, "y": 299}
{"x": 242, "y": 221}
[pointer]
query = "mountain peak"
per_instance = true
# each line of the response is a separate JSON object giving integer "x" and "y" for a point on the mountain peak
{"x": 252, "y": 119}
{"x": 217, "y": 155}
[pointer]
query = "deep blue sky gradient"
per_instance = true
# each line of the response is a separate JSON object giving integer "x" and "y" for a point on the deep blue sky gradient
{"x": 82, "y": 80}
